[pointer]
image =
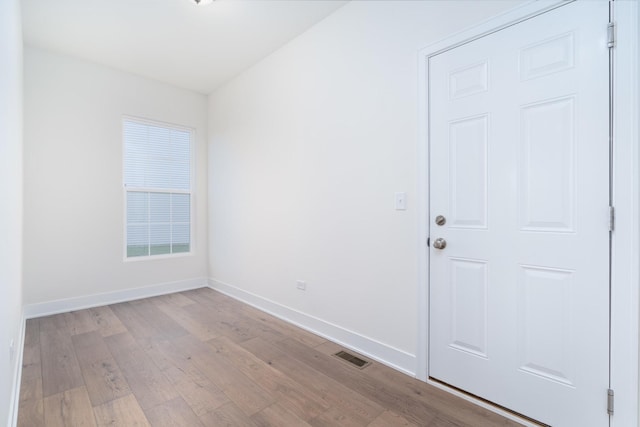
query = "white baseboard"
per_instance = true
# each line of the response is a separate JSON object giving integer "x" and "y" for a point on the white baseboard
{"x": 96, "y": 300}
{"x": 392, "y": 357}
{"x": 17, "y": 376}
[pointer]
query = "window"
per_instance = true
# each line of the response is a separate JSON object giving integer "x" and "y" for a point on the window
{"x": 157, "y": 183}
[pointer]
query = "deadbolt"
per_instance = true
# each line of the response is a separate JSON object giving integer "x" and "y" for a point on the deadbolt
{"x": 441, "y": 220}
{"x": 440, "y": 243}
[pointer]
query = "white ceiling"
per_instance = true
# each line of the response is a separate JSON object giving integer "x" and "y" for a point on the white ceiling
{"x": 174, "y": 41}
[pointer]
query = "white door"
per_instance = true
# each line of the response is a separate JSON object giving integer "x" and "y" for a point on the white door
{"x": 519, "y": 171}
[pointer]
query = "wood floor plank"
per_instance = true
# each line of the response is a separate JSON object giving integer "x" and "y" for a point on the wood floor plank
{"x": 276, "y": 415}
{"x": 174, "y": 413}
{"x": 298, "y": 399}
{"x": 456, "y": 411}
{"x": 148, "y": 383}
{"x": 198, "y": 391}
{"x": 217, "y": 298}
{"x": 225, "y": 323}
{"x": 404, "y": 404}
{"x": 135, "y": 323}
{"x": 220, "y": 303}
{"x": 60, "y": 368}
{"x": 101, "y": 373}
{"x": 389, "y": 418}
{"x": 228, "y": 415}
{"x": 177, "y": 298}
{"x": 284, "y": 328}
{"x": 122, "y": 412}
{"x": 444, "y": 422}
{"x": 160, "y": 351}
{"x": 160, "y": 322}
{"x": 90, "y": 347}
{"x": 69, "y": 408}
{"x": 106, "y": 321}
{"x": 80, "y": 321}
{"x": 358, "y": 381}
{"x": 31, "y": 361}
{"x": 338, "y": 417}
{"x": 188, "y": 321}
{"x": 332, "y": 392}
{"x": 31, "y": 404}
{"x": 31, "y": 412}
{"x": 104, "y": 381}
{"x": 54, "y": 322}
{"x": 249, "y": 396}
{"x": 241, "y": 326}
{"x": 262, "y": 349}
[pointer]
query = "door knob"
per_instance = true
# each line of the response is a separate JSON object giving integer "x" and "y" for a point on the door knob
{"x": 440, "y": 243}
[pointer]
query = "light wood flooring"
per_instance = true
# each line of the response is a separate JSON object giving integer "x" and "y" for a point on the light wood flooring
{"x": 200, "y": 358}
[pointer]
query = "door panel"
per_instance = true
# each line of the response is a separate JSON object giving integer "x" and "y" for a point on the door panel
{"x": 468, "y": 170}
{"x": 519, "y": 166}
{"x": 548, "y": 181}
{"x": 469, "y": 305}
{"x": 544, "y": 339}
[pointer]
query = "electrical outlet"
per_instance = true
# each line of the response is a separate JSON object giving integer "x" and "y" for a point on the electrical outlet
{"x": 302, "y": 285}
{"x": 12, "y": 350}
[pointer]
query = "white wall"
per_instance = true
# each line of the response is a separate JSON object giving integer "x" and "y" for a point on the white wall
{"x": 10, "y": 199}
{"x": 307, "y": 149}
{"x": 74, "y": 205}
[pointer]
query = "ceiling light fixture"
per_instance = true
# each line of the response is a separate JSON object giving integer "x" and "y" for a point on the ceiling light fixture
{"x": 202, "y": 2}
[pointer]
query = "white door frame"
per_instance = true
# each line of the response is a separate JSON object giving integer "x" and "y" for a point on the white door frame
{"x": 625, "y": 298}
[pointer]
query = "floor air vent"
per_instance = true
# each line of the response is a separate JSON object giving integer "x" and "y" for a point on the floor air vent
{"x": 354, "y": 360}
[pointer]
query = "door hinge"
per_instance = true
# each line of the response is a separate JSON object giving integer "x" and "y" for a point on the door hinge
{"x": 611, "y": 35}
{"x": 610, "y": 401}
{"x": 612, "y": 218}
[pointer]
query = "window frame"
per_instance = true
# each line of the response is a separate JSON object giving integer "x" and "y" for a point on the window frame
{"x": 191, "y": 191}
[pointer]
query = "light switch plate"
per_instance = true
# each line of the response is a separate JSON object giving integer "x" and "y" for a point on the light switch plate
{"x": 401, "y": 201}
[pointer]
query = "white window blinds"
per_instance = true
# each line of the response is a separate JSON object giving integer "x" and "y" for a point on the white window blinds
{"x": 157, "y": 182}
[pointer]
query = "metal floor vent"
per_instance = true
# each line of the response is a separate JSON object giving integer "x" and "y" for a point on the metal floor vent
{"x": 354, "y": 360}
